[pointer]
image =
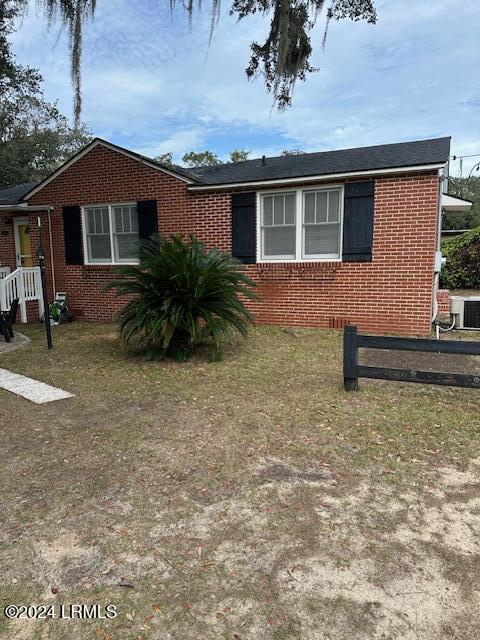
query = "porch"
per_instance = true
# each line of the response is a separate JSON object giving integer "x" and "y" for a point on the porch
{"x": 23, "y": 283}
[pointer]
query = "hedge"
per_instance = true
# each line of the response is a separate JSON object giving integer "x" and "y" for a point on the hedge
{"x": 462, "y": 269}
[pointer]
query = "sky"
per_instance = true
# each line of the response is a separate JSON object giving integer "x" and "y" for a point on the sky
{"x": 154, "y": 85}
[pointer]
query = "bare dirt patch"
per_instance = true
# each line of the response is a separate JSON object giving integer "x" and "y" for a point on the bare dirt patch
{"x": 244, "y": 499}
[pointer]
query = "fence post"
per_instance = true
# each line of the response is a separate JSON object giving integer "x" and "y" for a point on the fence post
{"x": 350, "y": 358}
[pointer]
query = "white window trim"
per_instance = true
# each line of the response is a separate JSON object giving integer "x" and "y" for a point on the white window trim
{"x": 299, "y": 226}
{"x": 112, "y": 261}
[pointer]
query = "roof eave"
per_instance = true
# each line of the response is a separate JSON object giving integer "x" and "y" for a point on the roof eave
{"x": 24, "y": 206}
{"x": 317, "y": 178}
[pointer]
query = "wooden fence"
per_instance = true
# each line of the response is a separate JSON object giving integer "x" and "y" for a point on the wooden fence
{"x": 352, "y": 370}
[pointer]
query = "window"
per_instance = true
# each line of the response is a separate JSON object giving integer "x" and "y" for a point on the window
{"x": 111, "y": 233}
{"x": 301, "y": 225}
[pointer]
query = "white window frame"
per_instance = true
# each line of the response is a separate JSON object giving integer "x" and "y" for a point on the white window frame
{"x": 299, "y": 226}
{"x": 110, "y": 208}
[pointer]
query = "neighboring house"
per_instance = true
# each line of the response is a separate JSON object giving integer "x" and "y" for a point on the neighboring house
{"x": 328, "y": 237}
{"x": 454, "y": 204}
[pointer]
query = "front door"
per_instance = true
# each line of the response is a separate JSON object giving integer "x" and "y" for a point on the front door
{"x": 23, "y": 243}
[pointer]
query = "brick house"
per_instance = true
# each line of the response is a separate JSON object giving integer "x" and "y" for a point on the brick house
{"x": 328, "y": 237}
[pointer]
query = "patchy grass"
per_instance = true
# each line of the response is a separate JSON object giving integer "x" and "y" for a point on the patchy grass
{"x": 246, "y": 498}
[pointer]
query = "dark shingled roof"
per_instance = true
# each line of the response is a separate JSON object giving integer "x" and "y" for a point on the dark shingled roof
{"x": 385, "y": 156}
{"x": 14, "y": 195}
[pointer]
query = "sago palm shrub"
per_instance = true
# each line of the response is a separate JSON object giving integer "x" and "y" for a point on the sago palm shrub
{"x": 181, "y": 296}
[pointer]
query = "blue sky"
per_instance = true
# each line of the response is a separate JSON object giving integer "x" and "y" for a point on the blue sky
{"x": 153, "y": 85}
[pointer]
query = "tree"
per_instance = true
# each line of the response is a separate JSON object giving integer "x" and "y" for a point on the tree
{"x": 201, "y": 159}
{"x": 239, "y": 155}
{"x": 282, "y": 59}
{"x": 469, "y": 189}
{"x": 35, "y": 137}
{"x": 292, "y": 152}
{"x": 183, "y": 296}
{"x": 461, "y": 270}
{"x": 165, "y": 158}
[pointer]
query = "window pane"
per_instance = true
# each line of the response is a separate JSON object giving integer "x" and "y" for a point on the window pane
{"x": 105, "y": 220}
{"x": 267, "y": 211}
{"x": 98, "y": 221}
{"x": 333, "y": 206}
{"x": 127, "y": 227}
{"x": 90, "y": 221}
{"x": 99, "y": 248}
{"x": 118, "y": 219}
{"x": 126, "y": 246}
{"x": 309, "y": 215}
{"x": 322, "y": 239}
{"x": 278, "y": 204}
{"x": 290, "y": 208}
{"x": 322, "y": 197}
{"x": 279, "y": 241}
{"x": 134, "y": 219}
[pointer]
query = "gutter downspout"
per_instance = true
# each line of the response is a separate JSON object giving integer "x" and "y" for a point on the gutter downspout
{"x": 436, "y": 277}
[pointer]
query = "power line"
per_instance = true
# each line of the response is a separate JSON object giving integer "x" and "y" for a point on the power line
{"x": 472, "y": 155}
{"x": 461, "y": 159}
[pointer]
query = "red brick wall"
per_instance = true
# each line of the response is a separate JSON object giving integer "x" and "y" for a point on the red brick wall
{"x": 104, "y": 176}
{"x": 7, "y": 243}
{"x": 391, "y": 294}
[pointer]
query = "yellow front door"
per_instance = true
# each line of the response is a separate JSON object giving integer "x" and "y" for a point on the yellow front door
{"x": 23, "y": 243}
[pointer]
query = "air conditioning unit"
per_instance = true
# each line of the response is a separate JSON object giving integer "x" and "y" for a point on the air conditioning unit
{"x": 467, "y": 312}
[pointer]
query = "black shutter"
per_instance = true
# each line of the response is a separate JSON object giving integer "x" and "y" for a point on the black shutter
{"x": 358, "y": 221}
{"x": 72, "y": 235}
{"x": 244, "y": 227}
{"x": 147, "y": 219}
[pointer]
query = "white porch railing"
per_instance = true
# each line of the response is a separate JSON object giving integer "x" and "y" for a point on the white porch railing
{"x": 25, "y": 284}
{"x": 4, "y": 271}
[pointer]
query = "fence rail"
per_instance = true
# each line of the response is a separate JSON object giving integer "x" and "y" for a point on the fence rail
{"x": 352, "y": 370}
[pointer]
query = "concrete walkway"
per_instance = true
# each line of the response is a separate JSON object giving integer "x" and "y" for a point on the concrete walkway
{"x": 32, "y": 390}
{"x": 18, "y": 341}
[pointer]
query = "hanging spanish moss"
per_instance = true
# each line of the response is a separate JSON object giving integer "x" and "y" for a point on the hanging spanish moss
{"x": 73, "y": 14}
{"x": 283, "y": 59}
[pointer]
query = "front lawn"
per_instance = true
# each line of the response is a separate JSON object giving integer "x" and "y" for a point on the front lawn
{"x": 250, "y": 498}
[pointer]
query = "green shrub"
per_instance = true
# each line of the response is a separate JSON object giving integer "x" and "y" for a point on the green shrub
{"x": 462, "y": 269}
{"x": 183, "y": 296}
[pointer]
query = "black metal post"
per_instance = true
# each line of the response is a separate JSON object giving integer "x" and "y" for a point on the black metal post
{"x": 46, "y": 306}
{"x": 350, "y": 358}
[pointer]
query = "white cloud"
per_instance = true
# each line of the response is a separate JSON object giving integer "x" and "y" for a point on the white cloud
{"x": 178, "y": 143}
